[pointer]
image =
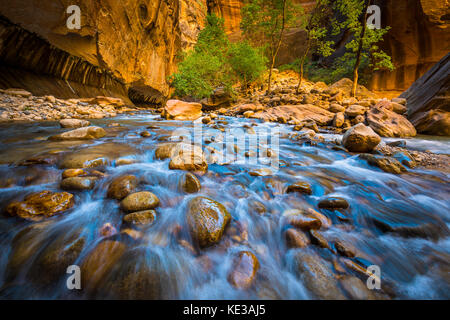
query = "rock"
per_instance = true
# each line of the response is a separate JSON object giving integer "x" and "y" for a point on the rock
{"x": 69, "y": 173}
{"x": 145, "y": 134}
{"x": 304, "y": 222}
{"x": 206, "y": 220}
{"x": 338, "y": 120}
{"x": 18, "y": 92}
{"x": 99, "y": 262}
{"x": 359, "y": 119}
{"x": 296, "y": 238}
{"x": 244, "y": 269}
{"x": 220, "y": 98}
{"x": 188, "y": 157}
{"x": 80, "y": 160}
{"x": 334, "y": 107}
{"x": 38, "y": 206}
{"x": 401, "y": 101}
{"x": 355, "y": 110}
{"x": 405, "y": 159}
{"x": 248, "y": 114}
{"x": 263, "y": 172}
{"x": 344, "y": 249}
{"x": 317, "y": 276}
{"x": 318, "y": 239}
{"x": 78, "y": 183}
{"x": 333, "y": 203}
{"x": 182, "y": 111}
{"x": 433, "y": 122}
{"x": 345, "y": 86}
{"x": 139, "y": 201}
{"x": 140, "y": 218}
{"x": 355, "y": 288}
{"x": 86, "y": 133}
{"x": 360, "y": 138}
{"x": 206, "y": 120}
{"x": 388, "y": 123}
{"x": 74, "y": 123}
{"x": 189, "y": 183}
{"x": 428, "y": 99}
{"x": 107, "y": 230}
{"x": 305, "y": 112}
{"x": 387, "y": 164}
{"x": 300, "y": 187}
{"x": 122, "y": 187}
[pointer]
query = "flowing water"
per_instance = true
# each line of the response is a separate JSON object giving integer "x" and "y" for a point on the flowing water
{"x": 413, "y": 264}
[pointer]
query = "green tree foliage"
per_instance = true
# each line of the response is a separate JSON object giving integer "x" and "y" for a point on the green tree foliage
{"x": 363, "y": 49}
{"x": 265, "y": 21}
{"x": 214, "y": 62}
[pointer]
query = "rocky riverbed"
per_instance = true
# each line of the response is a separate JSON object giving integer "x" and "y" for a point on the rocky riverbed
{"x": 146, "y": 215}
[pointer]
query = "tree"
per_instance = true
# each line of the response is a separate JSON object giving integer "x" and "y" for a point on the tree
{"x": 317, "y": 27}
{"x": 364, "y": 45}
{"x": 214, "y": 62}
{"x": 265, "y": 21}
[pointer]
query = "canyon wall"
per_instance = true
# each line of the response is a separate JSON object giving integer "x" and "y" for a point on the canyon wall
{"x": 419, "y": 38}
{"x": 123, "y": 48}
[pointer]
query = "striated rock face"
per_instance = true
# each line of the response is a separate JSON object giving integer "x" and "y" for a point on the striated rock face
{"x": 230, "y": 11}
{"x": 419, "y": 38}
{"x": 428, "y": 100}
{"x": 126, "y": 48}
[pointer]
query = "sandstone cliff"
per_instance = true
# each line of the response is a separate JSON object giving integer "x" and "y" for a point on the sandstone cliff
{"x": 123, "y": 47}
{"x": 419, "y": 38}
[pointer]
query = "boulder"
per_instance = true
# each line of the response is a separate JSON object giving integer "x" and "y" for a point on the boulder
{"x": 333, "y": 203}
{"x": 189, "y": 183}
{"x": 388, "y": 123}
{"x": 38, "y": 206}
{"x": 86, "y": 133}
{"x": 334, "y": 107}
{"x": 345, "y": 86}
{"x": 360, "y": 138}
{"x": 243, "y": 271}
{"x": 338, "y": 120}
{"x": 355, "y": 110}
{"x": 300, "y": 187}
{"x": 78, "y": 183}
{"x": 74, "y": 123}
{"x": 296, "y": 238}
{"x": 182, "y": 111}
{"x": 188, "y": 157}
{"x": 429, "y": 100}
{"x": 305, "y": 112}
{"x": 122, "y": 187}
{"x": 206, "y": 220}
{"x": 139, "y": 201}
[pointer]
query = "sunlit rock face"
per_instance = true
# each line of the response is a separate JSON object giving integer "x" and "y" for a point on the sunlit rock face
{"x": 230, "y": 11}
{"x": 419, "y": 38}
{"x": 121, "y": 45}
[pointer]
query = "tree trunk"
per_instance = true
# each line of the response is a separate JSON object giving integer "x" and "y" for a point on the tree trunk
{"x": 277, "y": 48}
{"x": 360, "y": 47}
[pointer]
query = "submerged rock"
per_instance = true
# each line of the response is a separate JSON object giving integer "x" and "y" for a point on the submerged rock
{"x": 300, "y": 187}
{"x": 140, "y": 218}
{"x": 189, "y": 183}
{"x": 244, "y": 269}
{"x": 296, "y": 238}
{"x": 333, "y": 203}
{"x": 360, "y": 138}
{"x": 78, "y": 183}
{"x": 139, "y": 201}
{"x": 87, "y": 133}
{"x": 38, "y": 206}
{"x": 318, "y": 276}
{"x": 122, "y": 187}
{"x": 387, "y": 164}
{"x": 207, "y": 220}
